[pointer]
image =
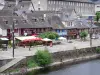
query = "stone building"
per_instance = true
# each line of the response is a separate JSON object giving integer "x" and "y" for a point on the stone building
{"x": 82, "y": 7}
{"x": 60, "y": 16}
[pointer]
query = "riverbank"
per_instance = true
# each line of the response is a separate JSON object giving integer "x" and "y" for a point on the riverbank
{"x": 66, "y": 58}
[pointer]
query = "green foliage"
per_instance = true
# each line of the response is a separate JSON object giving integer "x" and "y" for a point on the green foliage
{"x": 13, "y": 70}
{"x": 31, "y": 63}
{"x": 98, "y": 50}
{"x": 97, "y": 17}
{"x": 83, "y": 34}
{"x": 43, "y": 57}
{"x": 50, "y": 35}
{"x": 9, "y": 44}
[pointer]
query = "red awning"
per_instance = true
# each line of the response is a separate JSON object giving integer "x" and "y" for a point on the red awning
{"x": 33, "y": 39}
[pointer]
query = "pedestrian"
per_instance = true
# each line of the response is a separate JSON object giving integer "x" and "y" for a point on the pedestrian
{"x": 51, "y": 44}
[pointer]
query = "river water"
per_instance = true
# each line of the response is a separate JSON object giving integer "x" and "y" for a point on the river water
{"x": 86, "y": 68}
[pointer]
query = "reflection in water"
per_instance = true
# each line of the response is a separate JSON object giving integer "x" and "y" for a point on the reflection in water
{"x": 87, "y": 68}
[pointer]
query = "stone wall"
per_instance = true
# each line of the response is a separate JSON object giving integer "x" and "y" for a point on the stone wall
{"x": 63, "y": 55}
{"x": 66, "y": 57}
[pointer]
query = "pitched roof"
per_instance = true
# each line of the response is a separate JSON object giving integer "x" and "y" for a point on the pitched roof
{"x": 56, "y": 22}
{"x": 82, "y": 23}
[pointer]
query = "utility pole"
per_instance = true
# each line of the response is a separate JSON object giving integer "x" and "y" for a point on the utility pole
{"x": 13, "y": 27}
{"x": 91, "y": 33}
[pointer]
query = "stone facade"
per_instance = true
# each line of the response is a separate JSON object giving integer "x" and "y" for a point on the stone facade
{"x": 40, "y": 4}
{"x": 82, "y": 8}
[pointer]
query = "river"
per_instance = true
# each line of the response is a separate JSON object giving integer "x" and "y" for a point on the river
{"x": 86, "y": 68}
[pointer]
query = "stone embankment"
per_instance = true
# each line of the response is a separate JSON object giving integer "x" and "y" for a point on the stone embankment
{"x": 69, "y": 57}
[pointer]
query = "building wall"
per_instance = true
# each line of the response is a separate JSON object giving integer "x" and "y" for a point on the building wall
{"x": 82, "y": 8}
{"x": 42, "y": 4}
{"x": 4, "y": 32}
{"x": 97, "y": 7}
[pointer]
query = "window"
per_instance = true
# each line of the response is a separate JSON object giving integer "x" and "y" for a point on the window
{"x": 24, "y": 21}
{"x": 15, "y": 21}
{"x": 9, "y": 5}
{"x": 5, "y": 21}
{"x": 98, "y": 6}
{"x": 42, "y": 19}
{"x": 15, "y": 14}
{"x": 22, "y": 6}
{"x": 34, "y": 19}
{"x": 39, "y": 8}
{"x": 16, "y": 30}
{"x": 54, "y": 2}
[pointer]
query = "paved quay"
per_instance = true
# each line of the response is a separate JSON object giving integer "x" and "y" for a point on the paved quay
{"x": 22, "y": 52}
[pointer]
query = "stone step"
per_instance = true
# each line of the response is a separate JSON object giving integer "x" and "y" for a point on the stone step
{"x": 11, "y": 63}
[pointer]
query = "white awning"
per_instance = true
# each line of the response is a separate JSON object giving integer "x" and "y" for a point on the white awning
{"x": 25, "y": 37}
{"x": 46, "y": 39}
{"x": 5, "y": 39}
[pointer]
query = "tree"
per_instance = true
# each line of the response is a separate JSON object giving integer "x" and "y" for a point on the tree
{"x": 97, "y": 16}
{"x": 43, "y": 58}
{"x": 50, "y": 35}
{"x": 83, "y": 35}
{"x": 98, "y": 50}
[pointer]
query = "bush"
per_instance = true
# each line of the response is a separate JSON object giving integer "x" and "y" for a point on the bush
{"x": 9, "y": 44}
{"x": 31, "y": 63}
{"x": 98, "y": 50}
{"x": 83, "y": 34}
{"x": 43, "y": 58}
{"x": 50, "y": 35}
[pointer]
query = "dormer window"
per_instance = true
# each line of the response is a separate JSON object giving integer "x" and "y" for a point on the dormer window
{"x": 15, "y": 14}
{"x": 22, "y": 6}
{"x": 5, "y": 21}
{"x": 34, "y": 19}
{"x": 39, "y": 9}
{"x": 24, "y": 21}
{"x": 42, "y": 19}
{"x": 15, "y": 21}
{"x": 9, "y": 5}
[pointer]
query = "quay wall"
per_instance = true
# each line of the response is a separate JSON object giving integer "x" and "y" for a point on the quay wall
{"x": 65, "y": 58}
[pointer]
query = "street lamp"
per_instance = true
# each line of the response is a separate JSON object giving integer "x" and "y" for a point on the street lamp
{"x": 13, "y": 27}
{"x": 13, "y": 36}
{"x": 90, "y": 18}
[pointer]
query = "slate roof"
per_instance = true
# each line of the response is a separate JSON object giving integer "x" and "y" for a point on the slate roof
{"x": 56, "y": 22}
{"x": 81, "y": 24}
{"x": 12, "y": 5}
{"x": 6, "y": 12}
{"x": 38, "y": 21}
{"x": 19, "y": 23}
